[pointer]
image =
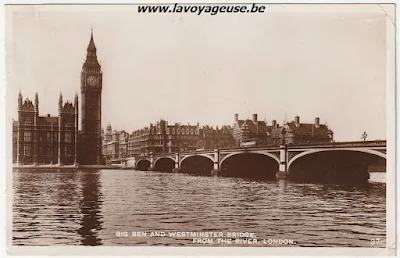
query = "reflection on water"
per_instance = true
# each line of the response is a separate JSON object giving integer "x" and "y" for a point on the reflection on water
{"x": 89, "y": 207}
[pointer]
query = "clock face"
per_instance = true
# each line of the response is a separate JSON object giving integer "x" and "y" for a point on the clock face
{"x": 92, "y": 80}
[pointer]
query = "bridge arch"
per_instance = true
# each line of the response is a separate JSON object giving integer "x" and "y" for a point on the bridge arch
{"x": 250, "y": 152}
{"x": 143, "y": 164}
{"x": 194, "y": 155}
{"x": 158, "y": 158}
{"x": 164, "y": 164}
{"x": 198, "y": 164}
{"x": 336, "y": 165}
{"x": 369, "y": 151}
{"x": 260, "y": 165}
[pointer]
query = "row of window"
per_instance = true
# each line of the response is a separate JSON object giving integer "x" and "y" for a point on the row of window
{"x": 28, "y": 137}
{"x": 68, "y": 124}
{"x": 47, "y": 151}
{"x": 178, "y": 131}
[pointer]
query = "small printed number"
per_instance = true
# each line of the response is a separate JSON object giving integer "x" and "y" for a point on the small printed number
{"x": 375, "y": 241}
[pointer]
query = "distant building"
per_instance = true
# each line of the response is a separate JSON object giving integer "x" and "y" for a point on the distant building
{"x": 163, "y": 138}
{"x": 259, "y": 133}
{"x": 211, "y": 138}
{"x": 304, "y": 133}
{"x": 123, "y": 144}
{"x": 110, "y": 144}
{"x": 250, "y": 130}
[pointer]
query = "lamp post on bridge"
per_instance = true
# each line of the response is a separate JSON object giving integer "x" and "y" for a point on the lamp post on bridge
{"x": 177, "y": 169}
{"x": 364, "y": 136}
{"x": 282, "y": 173}
{"x": 283, "y": 132}
{"x": 216, "y": 169}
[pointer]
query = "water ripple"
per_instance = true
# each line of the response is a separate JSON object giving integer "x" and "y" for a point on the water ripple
{"x": 89, "y": 207}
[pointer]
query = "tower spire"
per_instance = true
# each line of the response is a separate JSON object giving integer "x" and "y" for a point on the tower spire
{"x": 91, "y": 56}
{"x": 92, "y": 46}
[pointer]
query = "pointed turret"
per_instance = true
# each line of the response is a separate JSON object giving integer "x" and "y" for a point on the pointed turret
{"x": 19, "y": 100}
{"x": 60, "y": 103}
{"x": 76, "y": 103}
{"x": 36, "y": 102}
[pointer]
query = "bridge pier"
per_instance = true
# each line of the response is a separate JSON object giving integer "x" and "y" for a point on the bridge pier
{"x": 151, "y": 168}
{"x": 282, "y": 173}
{"x": 216, "y": 169}
{"x": 176, "y": 169}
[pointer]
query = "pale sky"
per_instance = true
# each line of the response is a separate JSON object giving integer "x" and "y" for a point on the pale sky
{"x": 314, "y": 61}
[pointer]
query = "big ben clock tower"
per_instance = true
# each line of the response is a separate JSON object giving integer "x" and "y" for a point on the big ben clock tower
{"x": 91, "y": 86}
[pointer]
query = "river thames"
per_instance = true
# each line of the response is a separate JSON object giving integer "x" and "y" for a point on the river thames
{"x": 95, "y": 207}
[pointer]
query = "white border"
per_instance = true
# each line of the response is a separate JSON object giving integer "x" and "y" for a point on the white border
{"x": 230, "y": 251}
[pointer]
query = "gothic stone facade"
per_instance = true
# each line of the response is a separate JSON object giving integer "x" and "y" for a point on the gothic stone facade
{"x": 45, "y": 140}
{"x": 56, "y": 140}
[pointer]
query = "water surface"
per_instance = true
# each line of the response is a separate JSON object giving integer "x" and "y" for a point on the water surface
{"x": 89, "y": 207}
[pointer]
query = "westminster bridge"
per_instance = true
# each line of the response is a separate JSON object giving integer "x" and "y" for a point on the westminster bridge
{"x": 338, "y": 160}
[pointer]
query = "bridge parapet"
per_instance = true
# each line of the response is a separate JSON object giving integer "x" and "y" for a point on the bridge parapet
{"x": 379, "y": 143}
{"x": 342, "y": 144}
{"x": 284, "y": 155}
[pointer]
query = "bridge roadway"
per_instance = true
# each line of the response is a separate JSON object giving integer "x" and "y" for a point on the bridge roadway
{"x": 285, "y": 156}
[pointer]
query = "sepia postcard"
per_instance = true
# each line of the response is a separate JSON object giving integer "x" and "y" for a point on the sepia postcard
{"x": 200, "y": 129}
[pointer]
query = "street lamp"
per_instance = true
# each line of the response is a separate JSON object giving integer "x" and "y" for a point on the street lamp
{"x": 217, "y": 138}
{"x": 283, "y": 132}
{"x": 364, "y": 136}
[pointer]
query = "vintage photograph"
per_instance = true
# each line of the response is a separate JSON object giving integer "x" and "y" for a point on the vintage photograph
{"x": 201, "y": 125}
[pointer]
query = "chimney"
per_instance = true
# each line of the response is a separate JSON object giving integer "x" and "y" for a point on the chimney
{"x": 317, "y": 122}
{"x": 273, "y": 123}
{"x": 236, "y": 117}
{"x": 297, "y": 120}
{"x": 255, "y": 118}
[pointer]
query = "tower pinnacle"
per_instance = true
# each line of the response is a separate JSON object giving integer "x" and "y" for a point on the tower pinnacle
{"x": 19, "y": 99}
{"x": 91, "y": 61}
{"x": 60, "y": 102}
{"x": 91, "y": 46}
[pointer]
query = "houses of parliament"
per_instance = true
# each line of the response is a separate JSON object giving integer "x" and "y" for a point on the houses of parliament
{"x": 49, "y": 139}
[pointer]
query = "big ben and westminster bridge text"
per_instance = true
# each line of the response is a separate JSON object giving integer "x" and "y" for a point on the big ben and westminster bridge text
{"x": 224, "y": 238}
